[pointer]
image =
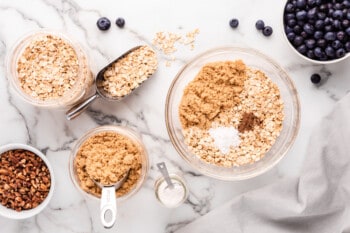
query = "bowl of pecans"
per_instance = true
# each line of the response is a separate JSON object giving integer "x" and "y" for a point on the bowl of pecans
{"x": 26, "y": 181}
{"x": 232, "y": 113}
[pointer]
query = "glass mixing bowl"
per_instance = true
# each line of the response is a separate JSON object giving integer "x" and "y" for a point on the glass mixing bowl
{"x": 256, "y": 60}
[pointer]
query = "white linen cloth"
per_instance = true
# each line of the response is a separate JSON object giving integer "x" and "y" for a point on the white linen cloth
{"x": 318, "y": 201}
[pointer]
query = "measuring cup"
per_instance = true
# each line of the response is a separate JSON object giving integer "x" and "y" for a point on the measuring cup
{"x": 108, "y": 200}
{"x": 100, "y": 92}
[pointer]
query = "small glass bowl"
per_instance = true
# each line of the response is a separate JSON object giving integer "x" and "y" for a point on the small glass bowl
{"x": 13, "y": 214}
{"x": 256, "y": 60}
{"x": 119, "y": 130}
{"x": 81, "y": 88}
{"x": 318, "y": 62}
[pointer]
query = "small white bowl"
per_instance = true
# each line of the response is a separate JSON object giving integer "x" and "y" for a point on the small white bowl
{"x": 13, "y": 214}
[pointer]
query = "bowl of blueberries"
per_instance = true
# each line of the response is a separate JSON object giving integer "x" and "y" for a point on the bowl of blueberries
{"x": 318, "y": 30}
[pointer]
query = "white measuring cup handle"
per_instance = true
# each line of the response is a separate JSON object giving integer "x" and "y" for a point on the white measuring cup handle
{"x": 108, "y": 204}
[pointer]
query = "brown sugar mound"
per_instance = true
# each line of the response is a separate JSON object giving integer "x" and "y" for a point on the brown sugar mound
{"x": 215, "y": 88}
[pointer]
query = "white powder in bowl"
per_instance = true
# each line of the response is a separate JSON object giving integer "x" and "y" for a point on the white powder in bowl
{"x": 224, "y": 138}
{"x": 171, "y": 197}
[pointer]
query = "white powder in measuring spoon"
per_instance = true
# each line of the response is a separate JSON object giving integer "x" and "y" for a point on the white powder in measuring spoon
{"x": 171, "y": 197}
{"x": 224, "y": 138}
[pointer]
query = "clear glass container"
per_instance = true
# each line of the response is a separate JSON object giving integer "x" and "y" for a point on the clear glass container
{"x": 84, "y": 80}
{"x": 130, "y": 134}
{"x": 171, "y": 197}
{"x": 256, "y": 60}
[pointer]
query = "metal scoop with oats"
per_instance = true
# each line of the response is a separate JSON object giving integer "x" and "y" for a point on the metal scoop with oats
{"x": 119, "y": 78}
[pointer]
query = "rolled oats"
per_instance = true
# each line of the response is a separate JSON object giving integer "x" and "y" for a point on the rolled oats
{"x": 129, "y": 72}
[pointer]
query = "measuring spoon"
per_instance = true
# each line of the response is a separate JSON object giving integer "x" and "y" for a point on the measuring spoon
{"x": 108, "y": 200}
{"x": 100, "y": 92}
{"x": 162, "y": 168}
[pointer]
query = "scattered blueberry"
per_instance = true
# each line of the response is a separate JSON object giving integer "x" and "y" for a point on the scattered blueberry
{"x": 234, "y": 23}
{"x": 103, "y": 23}
{"x": 267, "y": 31}
{"x": 315, "y": 78}
{"x": 260, "y": 24}
{"x": 120, "y": 22}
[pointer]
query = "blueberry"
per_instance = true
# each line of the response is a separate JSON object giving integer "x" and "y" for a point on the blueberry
{"x": 310, "y": 54}
{"x": 318, "y": 2}
{"x": 318, "y": 35}
{"x": 309, "y": 29}
{"x": 321, "y": 43}
{"x": 311, "y": 3}
{"x": 337, "y": 6}
{"x": 310, "y": 43}
{"x": 290, "y": 8}
{"x": 323, "y": 8}
{"x": 120, "y": 22}
{"x": 291, "y": 36}
{"x": 337, "y": 44}
{"x": 345, "y": 23}
{"x": 267, "y": 31}
{"x": 290, "y": 23}
{"x": 304, "y": 34}
{"x": 301, "y": 15}
{"x": 337, "y": 24}
{"x": 315, "y": 78}
{"x": 288, "y": 29}
{"x": 297, "y": 29}
{"x": 234, "y": 23}
{"x": 298, "y": 41}
{"x": 103, "y": 23}
{"x": 321, "y": 15}
{"x": 319, "y": 24}
{"x": 328, "y": 28}
{"x": 289, "y": 17}
{"x": 330, "y": 52}
{"x": 341, "y": 35}
{"x": 347, "y": 31}
{"x": 340, "y": 53}
{"x": 301, "y": 4}
{"x": 327, "y": 21}
{"x": 338, "y": 14}
{"x": 346, "y": 4}
{"x": 311, "y": 14}
{"x": 318, "y": 52}
{"x": 260, "y": 24}
{"x": 302, "y": 49}
{"x": 330, "y": 12}
{"x": 348, "y": 15}
{"x": 347, "y": 46}
{"x": 330, "y": 36}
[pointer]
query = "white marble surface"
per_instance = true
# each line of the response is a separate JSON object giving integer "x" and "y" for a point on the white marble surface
{"x": 144, "y": 111}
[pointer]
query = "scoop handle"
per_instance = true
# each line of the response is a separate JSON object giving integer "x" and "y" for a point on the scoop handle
{"x": 76, "y": 110}
{"x": 108, "y": 204}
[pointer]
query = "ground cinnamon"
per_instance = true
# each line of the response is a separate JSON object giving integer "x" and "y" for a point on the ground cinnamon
{"x": 248, "y": 122}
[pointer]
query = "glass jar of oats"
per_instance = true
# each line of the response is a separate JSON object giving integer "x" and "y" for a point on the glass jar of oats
{"x": 104, "y": 155}
{"x": 48, "y": 69}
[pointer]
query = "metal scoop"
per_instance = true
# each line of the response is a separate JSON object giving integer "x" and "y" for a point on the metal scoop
{"x": 108, "y": 203}
{"x": 100, "y": 92}
{"x": 162, "y": 168}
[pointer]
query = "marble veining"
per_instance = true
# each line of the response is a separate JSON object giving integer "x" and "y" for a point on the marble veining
{"x": 48, "y": 130}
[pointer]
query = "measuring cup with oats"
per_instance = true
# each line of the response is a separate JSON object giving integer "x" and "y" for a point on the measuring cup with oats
{"x": 119, "y": 78}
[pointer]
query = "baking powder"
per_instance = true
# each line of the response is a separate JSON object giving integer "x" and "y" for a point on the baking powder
{"x": 171, "y": 197}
